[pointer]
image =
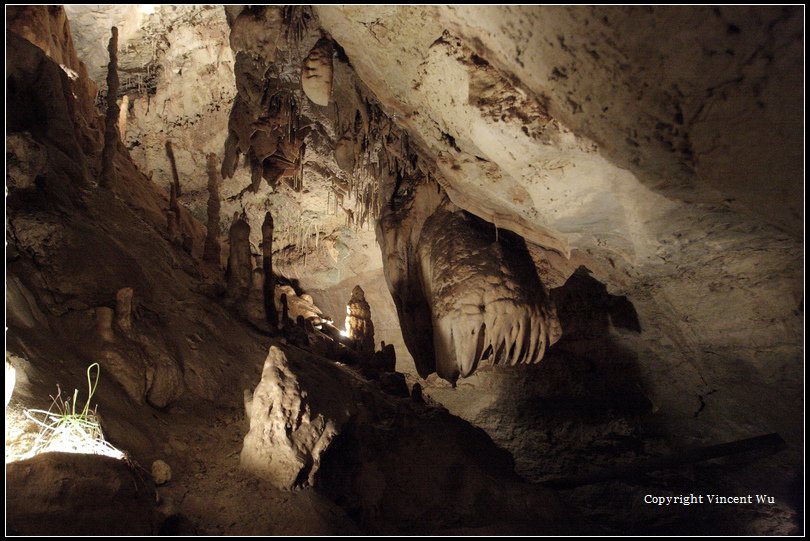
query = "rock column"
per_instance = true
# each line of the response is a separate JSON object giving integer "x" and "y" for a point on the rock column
{"x": 239, "y": 261}
{"x": 267, "y": 267}
{"x": 111, "y": 119}
{"x": 211, "y": 252}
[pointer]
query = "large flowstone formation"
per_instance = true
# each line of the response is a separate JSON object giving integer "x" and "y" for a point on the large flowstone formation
{"x": 485, "y": 297}
{"x": 464, "y": 292}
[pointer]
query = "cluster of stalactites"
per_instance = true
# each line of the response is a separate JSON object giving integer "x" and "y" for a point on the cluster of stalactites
{"x": 272, "y": 142}
{"x": 375, "y": 157}
{"x": 265, "y": 121}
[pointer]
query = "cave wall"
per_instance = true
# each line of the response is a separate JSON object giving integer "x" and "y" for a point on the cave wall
{"x": 669, "y": 230}
{"x": 577, "y": 145}
{"x": 644, "y": 156}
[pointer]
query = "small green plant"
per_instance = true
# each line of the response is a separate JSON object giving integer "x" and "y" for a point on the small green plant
{"x": 64, "y": 429}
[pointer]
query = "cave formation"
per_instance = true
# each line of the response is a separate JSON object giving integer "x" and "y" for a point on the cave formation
{"x": 452, "y": 270}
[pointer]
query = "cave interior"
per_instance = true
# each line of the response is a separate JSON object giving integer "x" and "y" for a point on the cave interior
{"x": 362, "y": 270}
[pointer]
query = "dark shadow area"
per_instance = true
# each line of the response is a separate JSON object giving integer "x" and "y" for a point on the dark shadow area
{"x": 589, "y": 371}
{"x": 582, "y": 405}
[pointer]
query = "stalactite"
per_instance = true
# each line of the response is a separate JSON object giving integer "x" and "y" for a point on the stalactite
{"x": 316, "y": 73}
{"x": 267, "y": 267}
{"x": 211, "y": 251}
{"x": 173, "y": 164}
{"x": 255, "y": 172}
{"x": 111, "y": 120}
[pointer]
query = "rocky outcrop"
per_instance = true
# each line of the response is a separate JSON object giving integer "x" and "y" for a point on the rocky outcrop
{"x": 77, "y": 494}
{"x": 176, "y": 70}
{"x": 295, "y": 412}
{"x": 123, "y": 308}
{"x": 391, "y": 463}
{"x": 298, "y": 305}
{"x": 48, "y": 28}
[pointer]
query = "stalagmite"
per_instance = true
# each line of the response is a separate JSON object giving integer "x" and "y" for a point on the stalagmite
{"x": 316, "y": 73}
{"x": 123, "y": 308}
{"x": 254, "y": 304}
{"x": 173, "y": 215}
{"x": 171, "y": 225}
{"x": 285, "y": 312}
{"x": 111, "y": 120}
{"x": 267, "y": 266}
{"x": 104, "y": 319}
{"x": 173, "y": 205}
{"x": 212, "y": 251}
{"x": 239, "y": 261}
{"x": 358, "y": 321}
{"x": 122, "y": 117}
{"x": 173, "y": 164}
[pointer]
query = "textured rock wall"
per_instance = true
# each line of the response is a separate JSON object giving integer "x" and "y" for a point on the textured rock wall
{"x": 613, "y": 164}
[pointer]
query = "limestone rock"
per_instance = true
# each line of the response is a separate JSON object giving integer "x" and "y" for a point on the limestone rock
{"x": 161, "y": 472}
{"x": 25, "y": 161}
{"x": 111, "y": 135}
{"x": 166, "y": 385}
{"x": 268, "y": 287}
{"x": 104, "y": 319}
{"x": 394, "y": 384}
{"x": 123, "y": 308}
{"x": 298, "y": 305}
{"x": 254, "y": 304}
{"x": 212, "y": 250}
{"x": 484, "y": 295}
{"x": 11, "y": 380}
{"x": 256, "y": 31}
{"x": 239, "y": 260}
{"x": 358, "y": 322}
{"x": 421, "y": 469}
{"x": 299, "y": 406}
{"x": 77, "y": 494}
{"x": 21, "y": 306}
{"x": 344, "y": 154}
{"x": 316, "y": 73}
{"x": 127, "y": 369}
